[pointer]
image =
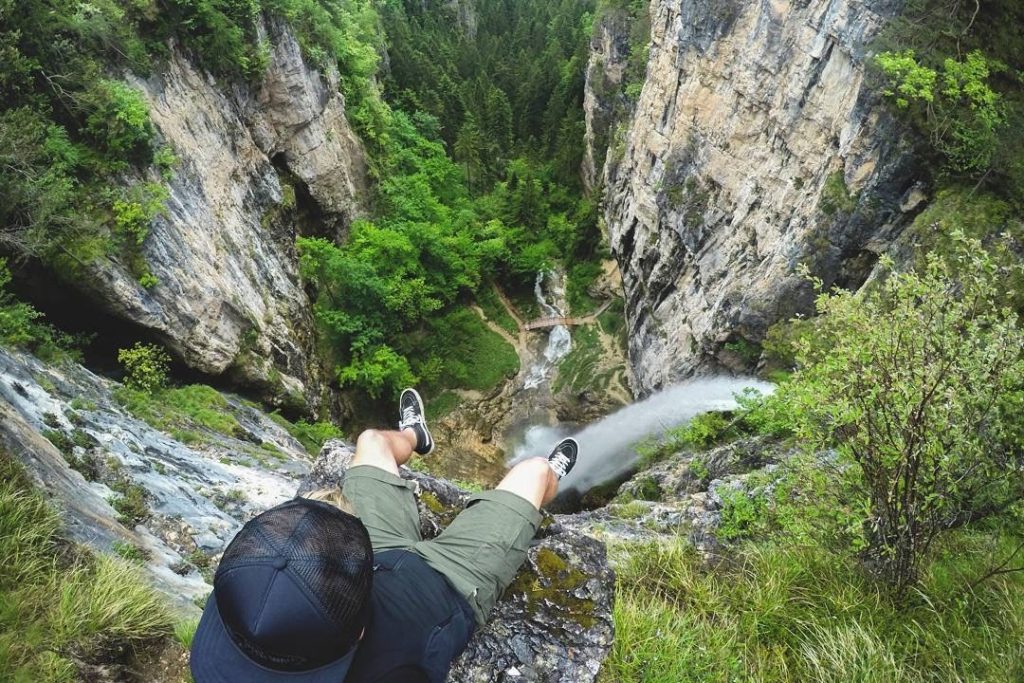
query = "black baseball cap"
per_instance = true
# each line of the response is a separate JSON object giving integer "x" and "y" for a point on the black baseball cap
{"x": 290, "y": 599}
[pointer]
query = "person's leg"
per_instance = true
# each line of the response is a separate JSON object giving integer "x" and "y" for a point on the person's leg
{"x": 383, "y": 500}
{"x": 533, "y": 480}
{"x": 386, "y": 450}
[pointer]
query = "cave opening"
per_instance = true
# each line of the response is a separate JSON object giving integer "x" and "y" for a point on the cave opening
{"x": 98, "y": 334}
{"x": 309, "y": 219}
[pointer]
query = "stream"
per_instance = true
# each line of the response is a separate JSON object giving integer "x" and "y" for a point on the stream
{"x": 559, "y": 340}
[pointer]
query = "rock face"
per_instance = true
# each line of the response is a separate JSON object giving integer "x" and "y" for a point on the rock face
{"x": 756, "y": 146}
{"x": 196, "y": 497}
{"x": 228, "y": 298}
{"x": 602, "y": 96}
{"x": 554, "y": 624}
{"x": 683, "y": 495}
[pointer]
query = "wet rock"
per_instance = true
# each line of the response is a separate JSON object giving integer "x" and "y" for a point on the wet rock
{"x": 180, "y": 484}
{"x": 553, "y": 624}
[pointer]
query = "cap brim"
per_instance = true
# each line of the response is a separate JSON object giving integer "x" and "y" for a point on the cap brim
{"x": 216, "y": 659}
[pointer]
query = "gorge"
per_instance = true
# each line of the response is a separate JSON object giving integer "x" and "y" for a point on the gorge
{"x": 230, "y": 233}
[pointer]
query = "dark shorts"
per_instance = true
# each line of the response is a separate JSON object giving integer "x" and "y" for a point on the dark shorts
{"x": 479, "y": 553}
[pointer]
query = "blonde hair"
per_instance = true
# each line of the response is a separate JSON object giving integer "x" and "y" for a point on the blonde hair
{"x": 332, "y": 496}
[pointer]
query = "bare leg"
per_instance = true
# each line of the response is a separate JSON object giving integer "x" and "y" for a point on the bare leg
{"x": 387, "y": 450}
{"x": 533, "y": 480}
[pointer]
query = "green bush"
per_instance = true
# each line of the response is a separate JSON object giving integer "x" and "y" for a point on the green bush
{"x": 917, "y": 384}
{"x": 118, "y": 120}
{"x": 146, "y": 367}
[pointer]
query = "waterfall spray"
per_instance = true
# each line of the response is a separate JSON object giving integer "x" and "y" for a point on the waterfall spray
{"x": 608, "y": 447}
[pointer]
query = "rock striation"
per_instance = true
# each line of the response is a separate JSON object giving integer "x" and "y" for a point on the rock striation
{"x": 227, "y": 298}
{"x": 756, "y": 145}
{"x": 602, "y": 92}
{"x": 85, "y": 451}
{"x": 554, "y": 624}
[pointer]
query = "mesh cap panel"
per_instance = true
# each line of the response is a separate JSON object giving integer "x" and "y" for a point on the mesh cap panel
{"x": 328, "y": 554}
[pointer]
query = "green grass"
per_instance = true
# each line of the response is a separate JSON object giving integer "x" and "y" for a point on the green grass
{"x": 578, "y": 370}
{"x": 443, "y": 403}
{"x": 57, "y": 600}
{"x": 474, "y": 356}
{"x": 181, "y": 410}
{"x": 780, "y": 613}
{"x": 311, "y": 435}
{"x": 495, "y": 311}
{"x": 613, "y": 321}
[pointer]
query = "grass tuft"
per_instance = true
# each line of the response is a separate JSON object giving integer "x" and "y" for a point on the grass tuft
{"x": 779, "y": 613}
{"x": 58, "y": 603}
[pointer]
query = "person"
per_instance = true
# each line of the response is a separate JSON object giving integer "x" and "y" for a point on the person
{"x": 340, "y": 585}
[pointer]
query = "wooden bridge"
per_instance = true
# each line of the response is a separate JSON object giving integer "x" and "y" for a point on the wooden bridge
{"x": 555, "y": 322}
{"x": 543, "y": 323}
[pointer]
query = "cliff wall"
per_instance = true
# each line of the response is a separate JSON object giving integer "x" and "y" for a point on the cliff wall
{"x": 227, "y": 298}
{"x": 756, "y": 145}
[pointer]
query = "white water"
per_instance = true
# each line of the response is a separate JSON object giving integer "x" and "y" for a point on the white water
{"x": 559, "y": 341}
{"x": 607, "y": 447}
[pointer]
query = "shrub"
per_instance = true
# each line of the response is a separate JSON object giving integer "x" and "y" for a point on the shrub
{"x": 119, "y": 119}
{"x": 955, "y": 104}
{"x": 918, "y": 385}
{"x": 146, "y": 367}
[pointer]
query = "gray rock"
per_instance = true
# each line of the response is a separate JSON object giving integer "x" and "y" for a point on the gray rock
{"x": 751, "y": 113}
{"x": 555, "y": 621}
{"x": 228, "y": 300}
{"x": 197, "y": 496}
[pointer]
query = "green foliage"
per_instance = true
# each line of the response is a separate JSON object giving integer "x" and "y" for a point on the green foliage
{"x": 490, "y": 303}
{"x": 180, "y": 411}
{"x": 958, "y": 108}
{"x": 185, "y": 632}
{"x": 311, "y": 435}
{"x": 836, "y": 197}
{"x": 786, "y": 611}
{"x": 118, "y": 119}
{"x": 146, "y": 367}
{"x": 131, "y": 552}
{"x": 134, "y": 212}
{"x": 702, "y": 432}
{"x": 951, "y": 71}
{"x": 917, "y": 384}
{"x": 21, "y": 326}
{"x": 130, "y": 504}
{"x": 57, "y": 602}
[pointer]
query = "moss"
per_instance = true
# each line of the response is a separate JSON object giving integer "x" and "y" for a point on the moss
{"x": 549, "y": 582}
{"x": 648, "y": 489}
{"x": 446, "y": 514}
{"x": 836, "y": 197}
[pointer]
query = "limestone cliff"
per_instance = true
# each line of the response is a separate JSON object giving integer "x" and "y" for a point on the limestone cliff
{"x": 755, "y": 146}
{"x": 602, "y": 93}
{"x": 228, "y": 300}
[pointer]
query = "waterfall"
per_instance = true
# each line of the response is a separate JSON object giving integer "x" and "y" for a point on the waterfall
{"x": 607, "y": 447}
{"x": 559, "y": 341}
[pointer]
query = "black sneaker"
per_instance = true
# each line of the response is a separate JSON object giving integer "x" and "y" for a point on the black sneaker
{"x": 563, "y": 458}
{"x": 414, "y": 417}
